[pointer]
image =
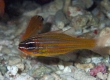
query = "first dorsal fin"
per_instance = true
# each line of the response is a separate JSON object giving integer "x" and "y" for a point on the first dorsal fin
{"x": 34, "y": 26}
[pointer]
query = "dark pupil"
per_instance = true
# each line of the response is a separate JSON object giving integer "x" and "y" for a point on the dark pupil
{"x": 31, "y": 46}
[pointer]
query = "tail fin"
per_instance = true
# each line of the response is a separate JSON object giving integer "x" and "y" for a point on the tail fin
{"x": 103, "y": 42}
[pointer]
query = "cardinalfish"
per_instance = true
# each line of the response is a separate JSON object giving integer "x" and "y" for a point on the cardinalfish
{"x": 51, "y": 43}
{"x": 2, "y": 7}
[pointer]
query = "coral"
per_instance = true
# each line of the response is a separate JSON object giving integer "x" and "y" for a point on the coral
{"x": 98, "y": 68}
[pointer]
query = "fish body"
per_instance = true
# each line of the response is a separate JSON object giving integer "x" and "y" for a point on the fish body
{"x": 51, "y": 44}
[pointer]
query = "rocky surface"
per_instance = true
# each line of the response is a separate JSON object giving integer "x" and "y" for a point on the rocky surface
{"x": 73, "y": 19}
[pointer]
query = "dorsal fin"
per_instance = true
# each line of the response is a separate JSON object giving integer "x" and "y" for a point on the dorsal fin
{"x": 34, "y": 26}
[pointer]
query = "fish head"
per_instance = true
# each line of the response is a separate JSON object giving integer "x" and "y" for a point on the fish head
{"x": 27, "y": 46}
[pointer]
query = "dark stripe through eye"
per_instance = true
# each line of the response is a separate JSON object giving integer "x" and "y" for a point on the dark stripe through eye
{"x": 28, "y": 44}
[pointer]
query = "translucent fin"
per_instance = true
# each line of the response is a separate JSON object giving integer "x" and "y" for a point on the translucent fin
{"x": 34, "y": 26}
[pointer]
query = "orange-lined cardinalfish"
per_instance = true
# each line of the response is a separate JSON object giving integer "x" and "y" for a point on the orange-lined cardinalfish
{"x": 51, "y": 43}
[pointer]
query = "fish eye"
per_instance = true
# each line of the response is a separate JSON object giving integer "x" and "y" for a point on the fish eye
{"x": 30, "y": 46}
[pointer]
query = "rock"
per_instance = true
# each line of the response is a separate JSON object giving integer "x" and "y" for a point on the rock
{"x": 24, "y": 76}
{"x": 56, "y": 5}
{"x": 51, "y": 9}
{"x": 108, "y": 78}
{"x": 12, "y": 70}
{"x": 102, "y": 76}
{"x": 87, "y": 56}
{"x": 83, "y": 4}
{"x": 3, "y": 69}
{"x": 66, "y": 6}
{"x": 21, "y": 26}
{"x": 39, "y": 71}
{"x": 12, "y": 74}
{"x": 52, "y": 76}
{"x": 61, "y": 67}
{"x": 1, "y": 48}
{"x": 5, "y": 42}
{"x": 73, "y": 73}
{"x": 20, "y": 66}
{"x": 108, "y": 67}
{"x": 57, "y": 77}
{"x": 88, "y": 3}
{"x": 27, "y": 7}
{"x": 96, "y": 59}
{"x": 84, "y": 66}
{"x": 1, "y": 76}
{"x": 14, "y": 60}
{"x": 106, "y": 60}
{"x": 105, "y": 4}
{"x": 104, "y": 32}
{"x": 82, "y": 75}
{"x": 67, "y": 69}
{"x": 47, "y": 77}
{"x": 15, "y": 51}
{"x": 60, "y": 19}
{"x": 16, "y": 41}
{"x": 80, "y": 22}
{"x": 6, "y": 50}
{"x": 70, "y": 78}
{"x": 84, "y": 56}
{"x": 108, "y": 14}
{"x": 75, "y": 11}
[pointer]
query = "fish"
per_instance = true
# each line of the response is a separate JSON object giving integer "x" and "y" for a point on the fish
{"x": 53, "y": 43}
{"x": 2, "y": 7}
